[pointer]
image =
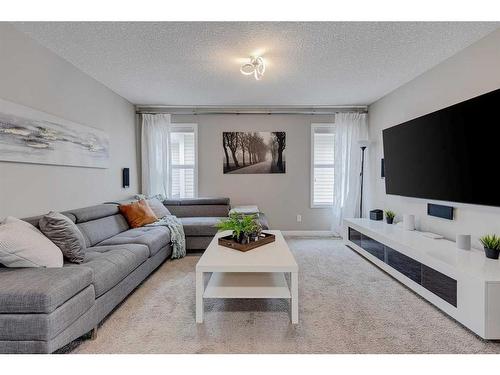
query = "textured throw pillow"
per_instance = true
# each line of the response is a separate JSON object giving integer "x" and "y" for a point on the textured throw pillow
{"x": 65, "y": 234}
{"x": 160, "y": 197}
{"x": 22, "y": 245}
{"x": 158, "y": 207}
{"x": 138, "y": 213}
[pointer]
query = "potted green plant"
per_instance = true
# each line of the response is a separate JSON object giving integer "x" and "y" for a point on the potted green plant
{"x": 491, "y": 245}
{"x": 389, "y": 216}
{"x": 245, "y": 228}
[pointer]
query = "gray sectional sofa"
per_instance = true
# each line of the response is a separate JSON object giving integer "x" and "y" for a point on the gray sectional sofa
{"x": 43, "y": 309}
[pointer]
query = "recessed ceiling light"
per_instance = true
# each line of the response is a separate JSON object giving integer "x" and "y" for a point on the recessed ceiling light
{"x": 256, "y": 66}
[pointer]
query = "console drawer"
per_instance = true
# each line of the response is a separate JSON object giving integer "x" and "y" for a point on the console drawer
{"x": 441, "y": 285}
{"x": 375, "y": 248}
{"x": 404, "y": 264}
{"x": 355, "y": 236}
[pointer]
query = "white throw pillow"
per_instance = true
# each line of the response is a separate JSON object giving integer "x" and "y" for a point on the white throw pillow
{"x": 22, "y": 245}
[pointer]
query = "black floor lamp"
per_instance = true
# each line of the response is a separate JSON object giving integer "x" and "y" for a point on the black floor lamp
{"x": 363, "y": 145}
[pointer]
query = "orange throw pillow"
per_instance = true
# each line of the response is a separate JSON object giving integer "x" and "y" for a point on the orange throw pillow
{"x": 138, "y": 213}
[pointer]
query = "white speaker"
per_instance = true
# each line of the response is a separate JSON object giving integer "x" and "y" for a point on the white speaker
{"x": 409, "y": 222}
{"x": 463, "y": 241}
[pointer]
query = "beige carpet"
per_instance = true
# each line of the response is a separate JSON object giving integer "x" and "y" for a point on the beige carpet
{"x": 347, "y": 305}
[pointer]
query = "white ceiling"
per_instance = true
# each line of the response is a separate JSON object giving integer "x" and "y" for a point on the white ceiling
{"x": 308, "y": 63}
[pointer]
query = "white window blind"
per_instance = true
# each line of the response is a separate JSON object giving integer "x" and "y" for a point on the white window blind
{"x": 322, "y": 146}
{"x": 183, "y": 149}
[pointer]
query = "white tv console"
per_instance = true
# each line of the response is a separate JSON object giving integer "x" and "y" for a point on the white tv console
{"x": 462, "y": 283}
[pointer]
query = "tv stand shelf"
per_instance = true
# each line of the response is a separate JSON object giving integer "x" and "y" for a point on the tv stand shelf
{"x": 464, "y": 284}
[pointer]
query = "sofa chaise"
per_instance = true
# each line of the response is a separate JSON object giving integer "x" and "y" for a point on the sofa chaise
{"x": 43, "y": 309}
{"x": 199, "y": 216}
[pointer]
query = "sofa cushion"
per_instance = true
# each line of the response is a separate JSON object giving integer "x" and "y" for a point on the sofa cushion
{"x": 98, "y": 230}
{"x": 93, "y": 212}
{"x": 65, "y": 234}
{"x": 155, "y": 203}
{"x": 138, "y": 213}
{"x": 199, "y": 211}
{"x": 35, "y": 220}
{"x": 198, "y": 243}
{"x": 153, "y": 237}
{"x": 23, "y": 245}
{"x": 36, "y": 326}
{"x": 158, "y": 207}
{"x": 40, "y": 290}
{"x": 200, "y": 226}
{"x": 111, "y": 264}
{"x": 198, "y": 207}
{"x": 197, "y": 201}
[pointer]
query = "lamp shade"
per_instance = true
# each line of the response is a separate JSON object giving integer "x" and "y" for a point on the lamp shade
{"x": 363, "y": 143}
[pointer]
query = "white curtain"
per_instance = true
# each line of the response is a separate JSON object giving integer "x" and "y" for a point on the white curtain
{"x": 350, "y": 128}
{"x": 155, "y": 154}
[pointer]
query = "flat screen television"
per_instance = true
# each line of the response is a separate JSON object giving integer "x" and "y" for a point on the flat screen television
{"x": 451, "y": 155}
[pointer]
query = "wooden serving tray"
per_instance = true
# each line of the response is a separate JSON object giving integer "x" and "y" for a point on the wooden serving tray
{"x": 264, "y": 239}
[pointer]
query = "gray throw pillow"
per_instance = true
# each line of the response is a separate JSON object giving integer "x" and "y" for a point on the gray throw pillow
{"x": 158, "y": 207}
{"x": 65, "y": 234}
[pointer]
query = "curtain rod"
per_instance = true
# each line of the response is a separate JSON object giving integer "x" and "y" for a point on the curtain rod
{"x": 249, "y": 110}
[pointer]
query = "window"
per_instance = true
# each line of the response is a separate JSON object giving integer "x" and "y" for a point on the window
{"x": 184, "y": 160}
{"x": 322, "y": 154}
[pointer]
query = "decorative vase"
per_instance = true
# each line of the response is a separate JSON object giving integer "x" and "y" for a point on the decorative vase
{"x": 409, "y": 222}
{"x": 243, "y": 239}
{"x": 492, "y": 253}
{"x": 239, "y": 238}
{"x": 389, "y": 220}
{"x": 464, "y": 241}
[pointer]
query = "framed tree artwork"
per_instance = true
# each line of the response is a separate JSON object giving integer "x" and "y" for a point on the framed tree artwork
{"x": 254, "y": 152}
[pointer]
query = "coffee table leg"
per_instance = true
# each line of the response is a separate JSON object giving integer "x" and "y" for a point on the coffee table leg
{"x": 199, "y": 297}
{"x": 294, "y": 281}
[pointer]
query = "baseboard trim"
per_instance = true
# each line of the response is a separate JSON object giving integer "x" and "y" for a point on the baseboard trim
{"x": 308, "y": 233}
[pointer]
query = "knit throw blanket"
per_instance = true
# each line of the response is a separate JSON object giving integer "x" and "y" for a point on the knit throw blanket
{"x": 177, "y": 236}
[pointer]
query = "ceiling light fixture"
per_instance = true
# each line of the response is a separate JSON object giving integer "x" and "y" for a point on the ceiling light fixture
{"x": 256, "y": 67}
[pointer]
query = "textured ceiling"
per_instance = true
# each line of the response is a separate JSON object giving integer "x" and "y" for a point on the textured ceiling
{"x": 308, "y": 63}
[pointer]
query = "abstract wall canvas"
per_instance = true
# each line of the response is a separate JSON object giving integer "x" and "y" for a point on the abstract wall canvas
{"x": 254, "y": 152}
{"x": 30, "y": 136}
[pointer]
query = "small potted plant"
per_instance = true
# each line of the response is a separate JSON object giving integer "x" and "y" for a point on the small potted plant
{"x": 245, "y": 228}
{"x": 491, "y": 245}
{"x": 389, "y": 216}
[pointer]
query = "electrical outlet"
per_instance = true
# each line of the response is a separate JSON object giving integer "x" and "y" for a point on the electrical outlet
{"x": 299, "y": 218}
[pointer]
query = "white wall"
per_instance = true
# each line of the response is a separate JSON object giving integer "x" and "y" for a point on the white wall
{"x": 280, "y": 196}
{"x": 470, "y": 73}
{"x": 33, "y": 76}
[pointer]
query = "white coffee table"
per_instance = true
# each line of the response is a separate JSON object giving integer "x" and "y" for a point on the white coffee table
{"x": 258, "y": 273}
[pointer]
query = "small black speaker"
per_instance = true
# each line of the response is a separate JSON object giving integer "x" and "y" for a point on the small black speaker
{"x": 382, "y": 169}
{"x": 126, "y": 177}
{"x": 376, "y": 214}
{"x": 445, "y": 212}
